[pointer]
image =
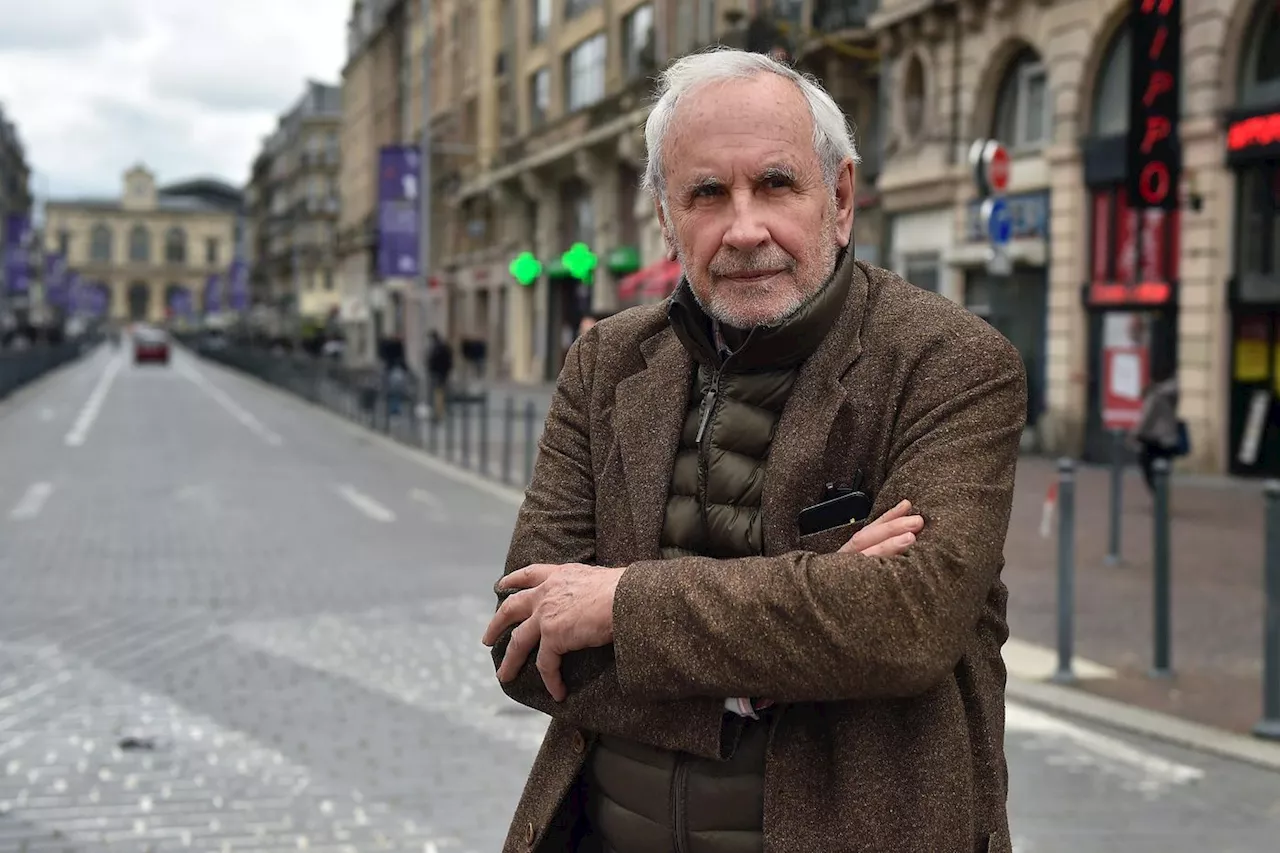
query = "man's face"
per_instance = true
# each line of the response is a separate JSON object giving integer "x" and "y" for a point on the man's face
{"x": 753, "y": 223}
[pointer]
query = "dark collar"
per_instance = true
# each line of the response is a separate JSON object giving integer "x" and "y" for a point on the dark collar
{"x": 762, "y": 348}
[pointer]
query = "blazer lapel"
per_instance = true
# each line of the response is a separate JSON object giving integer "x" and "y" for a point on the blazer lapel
{"x": 794, "y": 474}
{"x": 648, "y": 416}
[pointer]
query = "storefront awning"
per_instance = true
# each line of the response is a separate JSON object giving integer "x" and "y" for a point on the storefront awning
{"x": 655, "y": 281}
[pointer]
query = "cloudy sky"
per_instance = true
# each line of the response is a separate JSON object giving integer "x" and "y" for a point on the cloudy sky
{"x": 189, "y": 87}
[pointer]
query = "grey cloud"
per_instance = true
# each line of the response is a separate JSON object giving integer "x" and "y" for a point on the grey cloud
{"x": 66, "y": 25}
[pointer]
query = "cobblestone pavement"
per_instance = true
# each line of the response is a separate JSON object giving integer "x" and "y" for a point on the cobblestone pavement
{"x": 231, "y": 623}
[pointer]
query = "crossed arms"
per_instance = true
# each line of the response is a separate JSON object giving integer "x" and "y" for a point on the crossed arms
{"x": 799, "y": 627}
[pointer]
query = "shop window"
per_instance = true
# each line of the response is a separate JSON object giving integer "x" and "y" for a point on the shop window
{"x": 1260, "y": 80}
{"x": 1023, "y": 115}
{"x": 1259, "y": 231}
{"x": 1128, "y": 245}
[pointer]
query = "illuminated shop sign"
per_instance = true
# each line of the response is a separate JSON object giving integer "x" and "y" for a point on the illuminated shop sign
{"x": 1255, "y": 132}
{"x": 1154, "y": 155}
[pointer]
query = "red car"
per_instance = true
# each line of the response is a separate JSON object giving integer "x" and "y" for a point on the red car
{"x": 150, "y": 345}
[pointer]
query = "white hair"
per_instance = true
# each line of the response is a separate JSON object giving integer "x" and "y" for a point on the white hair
{"x": 832, "y": 138}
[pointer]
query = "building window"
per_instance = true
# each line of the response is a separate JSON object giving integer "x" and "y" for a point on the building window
{"x": 913, "y": 97}
{"x": 139, "y": 245}
{"x": 1259, "y": 233}
{"x": 64, "y": 243}
{"x": 1022, "y": 111}
{"x": 211, "y": 251}
{"x": 574, "y": 8}
{"x": 637, "y": 42}
{"x": 539, "y": 97}
{"x": 175, "y": 246}
{"x": 584, "y": 73}
{"x": 100, "y": 244}
{"x": 540, "y": 15}
{"x": 1260, "y": 80}
{"x": 328, "y": 279}
{"x": 924, "y": 270}
{"x": 1111, "y": 95}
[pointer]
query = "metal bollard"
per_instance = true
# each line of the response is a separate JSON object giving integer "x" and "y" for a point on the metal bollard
{"x": 528, "y": 441}
{"x": 484, "y": 435}
{"x": 1117, "y": 497}
{"x": 449, "y": 415}
{"x": 508, "y": 427}
{"x": 1162, "y": 617}
{"x": 466, "y": 433}
{"x": 1269, "y": 726}
{"x": 1066, "y": 570}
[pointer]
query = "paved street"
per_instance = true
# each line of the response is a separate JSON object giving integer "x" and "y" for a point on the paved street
{"x": 229, "y": 622}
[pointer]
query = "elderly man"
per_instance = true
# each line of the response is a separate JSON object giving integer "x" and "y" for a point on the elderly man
{"x": 732, "y": 661}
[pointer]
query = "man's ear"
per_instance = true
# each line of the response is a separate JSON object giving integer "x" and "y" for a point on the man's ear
{"x": 667, "y": 237}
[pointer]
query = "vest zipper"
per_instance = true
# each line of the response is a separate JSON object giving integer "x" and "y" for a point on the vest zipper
{"x": 679, "y": 792}
{"x": 704, "y": 463}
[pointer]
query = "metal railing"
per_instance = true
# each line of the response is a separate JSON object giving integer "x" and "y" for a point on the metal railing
{"x": 495, "y": 439}
{"x": 20, "y": 367}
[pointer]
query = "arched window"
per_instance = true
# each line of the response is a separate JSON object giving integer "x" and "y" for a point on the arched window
{"x": 1023, "y": 115}
{"x": 175, "y": 246}
{"x": 100, "y": 244}
{"x": 1260, "y": 76}
{"x": 139, "y": 245}
{"x": 1111, "y": 91}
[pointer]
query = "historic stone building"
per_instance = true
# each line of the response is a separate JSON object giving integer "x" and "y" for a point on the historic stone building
{"x": 153, "y": 247}
{"x": 1051, "y": 81}
{"x": 292, "y": 202}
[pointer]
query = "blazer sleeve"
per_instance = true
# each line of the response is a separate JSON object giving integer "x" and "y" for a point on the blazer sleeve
{"x": 556, "y": 524}
{"x": 805, "y": 627}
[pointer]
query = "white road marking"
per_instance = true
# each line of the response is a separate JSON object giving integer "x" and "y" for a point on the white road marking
{"x": 366, "y": 504}
{"x": 32, "y": 501}
{"x": 233, "y": 408}
{"x": 80, "y": 429}
{"x": 435, "y": 506}
{"x": 1075, "y": 747}
{"x": 1031, "y": 662}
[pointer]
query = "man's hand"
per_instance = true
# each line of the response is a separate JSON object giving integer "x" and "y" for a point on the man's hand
{"x": 888, "y": 536}
{"x": 559, "y": 609}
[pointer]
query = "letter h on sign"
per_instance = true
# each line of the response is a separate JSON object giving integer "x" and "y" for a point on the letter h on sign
{"x": 1154, "y": 150}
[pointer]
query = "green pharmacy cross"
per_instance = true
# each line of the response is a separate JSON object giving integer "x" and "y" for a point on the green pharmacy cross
{"x": 579, "y": 261}
{"x": 525, "y": 268}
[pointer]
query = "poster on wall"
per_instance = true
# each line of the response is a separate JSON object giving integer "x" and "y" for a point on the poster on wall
{"x": 1126, "y": 355}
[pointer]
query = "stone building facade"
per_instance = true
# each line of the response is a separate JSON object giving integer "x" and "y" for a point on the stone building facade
{"x": 148, "y": 244}
{"x": 1051, "y": 81}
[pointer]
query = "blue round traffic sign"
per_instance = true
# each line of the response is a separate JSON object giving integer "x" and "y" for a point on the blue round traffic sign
{"x": 998, "y": 221}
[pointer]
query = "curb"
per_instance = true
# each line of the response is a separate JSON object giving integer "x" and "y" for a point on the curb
{"x": 1043, "y": 695}
{"x": 1113, "y": 714}
{"x": 38, "y": 387}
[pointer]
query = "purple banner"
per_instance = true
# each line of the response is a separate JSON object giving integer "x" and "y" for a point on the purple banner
{"x": 238, "y": 285}
{"x": 181, "y": 303}
{"x": 18, "y": 238}
{"x": 99, "y": 300}
{"x": 57, "y": 279}
{"x": 213, "y": 294}
{"x": 398, "y": 235}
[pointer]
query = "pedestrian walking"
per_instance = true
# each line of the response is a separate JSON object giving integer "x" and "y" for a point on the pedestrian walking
{"x": 1159, "y": 434}
{"x": 732, "y": 658}
{"x": 439, "y": 366}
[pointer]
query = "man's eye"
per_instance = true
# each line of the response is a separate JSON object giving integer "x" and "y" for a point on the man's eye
{"x": 777, "y": 182}
{"x": 706, "y": 192}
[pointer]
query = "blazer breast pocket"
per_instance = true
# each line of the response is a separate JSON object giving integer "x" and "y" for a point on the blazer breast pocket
{"x": 828, "y": 541}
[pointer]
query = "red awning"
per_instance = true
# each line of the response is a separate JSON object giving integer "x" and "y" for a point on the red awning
{"x": 655, "y": 281}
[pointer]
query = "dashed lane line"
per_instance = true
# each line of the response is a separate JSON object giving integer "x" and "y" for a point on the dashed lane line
{"x": 93, "y": 406}
{"x": 32, "y": 502}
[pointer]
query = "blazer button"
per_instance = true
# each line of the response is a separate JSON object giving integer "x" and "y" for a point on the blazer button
{"x": 579, "y": 743}
{"x": 529, "y": 834}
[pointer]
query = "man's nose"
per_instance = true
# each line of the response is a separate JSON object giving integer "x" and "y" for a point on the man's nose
{"x": 747, "y": 230}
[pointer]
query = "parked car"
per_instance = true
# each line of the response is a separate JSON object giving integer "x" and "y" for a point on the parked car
{"x": 150, "y": 345}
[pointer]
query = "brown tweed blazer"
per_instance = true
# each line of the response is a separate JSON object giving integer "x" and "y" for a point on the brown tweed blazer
{"x": 890, "y": 733}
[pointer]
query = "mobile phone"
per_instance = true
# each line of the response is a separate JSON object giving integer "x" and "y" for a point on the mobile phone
{"x": 849, "y": 508}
